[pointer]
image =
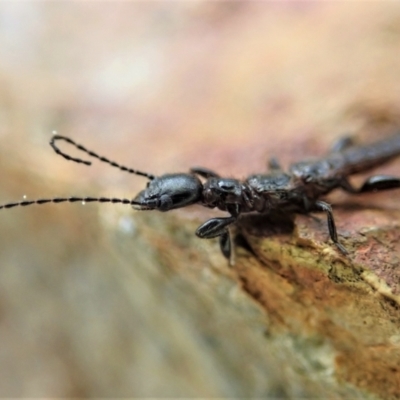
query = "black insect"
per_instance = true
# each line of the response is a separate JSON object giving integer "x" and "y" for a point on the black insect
{"x": 297, "y": 190}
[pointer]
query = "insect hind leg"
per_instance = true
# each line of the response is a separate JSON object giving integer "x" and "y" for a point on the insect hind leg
{"x": 380, "y": 182}
{"x": 372, "y": 184}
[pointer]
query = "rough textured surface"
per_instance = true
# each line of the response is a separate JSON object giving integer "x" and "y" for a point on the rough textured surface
{"x": 106, "y": 302}
{"x": 352, "y": 303}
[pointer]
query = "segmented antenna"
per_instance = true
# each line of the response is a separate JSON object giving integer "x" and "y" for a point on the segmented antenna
{"x": 94, "y": 155}
{"x": 70, "y": 200}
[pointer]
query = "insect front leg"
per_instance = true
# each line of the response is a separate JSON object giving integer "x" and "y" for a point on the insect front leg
{"x": 218, "y": 227}
{"x": 322, "y": 206}
{"x": 214, "y": 227}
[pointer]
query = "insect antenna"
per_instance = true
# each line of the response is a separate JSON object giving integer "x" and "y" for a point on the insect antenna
{"x": 92, "y": 154}
{"x": 73, "y": 199}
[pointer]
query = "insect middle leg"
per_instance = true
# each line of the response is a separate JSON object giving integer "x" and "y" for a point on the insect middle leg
{"x": 343, "y": 143}
{"x": 204, "y": 172}
{"x": 274, "y": 165}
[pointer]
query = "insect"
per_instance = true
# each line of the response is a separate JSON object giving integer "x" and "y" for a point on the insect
{"x": 297, "y": 190}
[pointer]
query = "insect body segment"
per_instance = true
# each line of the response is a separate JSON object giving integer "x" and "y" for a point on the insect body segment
{"x": 298, "y": 190}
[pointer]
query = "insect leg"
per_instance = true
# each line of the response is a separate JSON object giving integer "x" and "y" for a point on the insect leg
{"x": 204, "y": 172}
{"x": 225, "y": 244}
{"x": 372, "y": 184}
{"x": 322, "y": 206}
{"x": 274, "y": 165}
{"x": 214, "y": 227}
{"x": 380, "y": 182}
{"x": 219, "y": 227}
{"x": 342, "y": 144}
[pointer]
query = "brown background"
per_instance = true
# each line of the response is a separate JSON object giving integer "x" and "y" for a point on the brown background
{"x": 163, "y": 86}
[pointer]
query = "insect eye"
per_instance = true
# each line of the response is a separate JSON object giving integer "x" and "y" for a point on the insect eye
{"x": 180, "y": 196}
{"x": 165, "y": 203}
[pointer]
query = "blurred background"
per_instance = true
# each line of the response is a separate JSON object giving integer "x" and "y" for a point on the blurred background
{"x": 87, "y": 306}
